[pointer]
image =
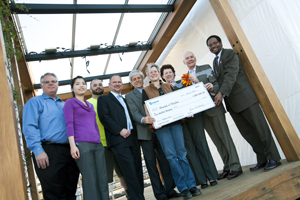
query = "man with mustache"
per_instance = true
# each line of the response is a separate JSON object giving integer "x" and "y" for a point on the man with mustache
{"x": 149, "y": 142}
{"x": 97, "y": 90}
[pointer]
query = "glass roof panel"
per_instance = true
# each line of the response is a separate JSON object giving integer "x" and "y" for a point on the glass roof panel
{"x": 95, "y": 29}
{"x": 100, "y": 2}
{"x": 148, "y": 2}
{"x": 96, "y": 66}
{"x": 45, "y": 1}
{"x": 137, "y": 27}
{"x": 46, "y": 31}
{"x": 60, "y": 67}
{"x": 122, "y": 63}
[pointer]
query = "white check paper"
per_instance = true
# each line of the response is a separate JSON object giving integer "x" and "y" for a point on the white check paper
{"x": 179, "y": 104}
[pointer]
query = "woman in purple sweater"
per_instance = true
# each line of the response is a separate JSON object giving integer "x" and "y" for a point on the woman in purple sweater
{"x": 84, "y": 138}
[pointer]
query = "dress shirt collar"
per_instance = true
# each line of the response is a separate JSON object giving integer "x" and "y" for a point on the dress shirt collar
{"x": 47, "y": 97}
{"x": 219, "y": 55}
{"x": 139, "y": 89}
{"x": 115, "y": 94}
{"x": 192, "y": 71}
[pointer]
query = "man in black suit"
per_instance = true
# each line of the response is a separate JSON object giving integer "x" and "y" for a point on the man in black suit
{"x": 242, "y": 104}
{"x": 149, "y": 142}
{"x": 121, "y": 138}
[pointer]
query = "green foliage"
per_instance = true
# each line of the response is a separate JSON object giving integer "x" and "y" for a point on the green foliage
{"x": 12, "y": 41}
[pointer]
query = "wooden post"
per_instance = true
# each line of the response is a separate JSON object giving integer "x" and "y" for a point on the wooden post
{"x": 20, "y": 103}
{"x": 12, "y": 176}
{"x": 279, "y": 121}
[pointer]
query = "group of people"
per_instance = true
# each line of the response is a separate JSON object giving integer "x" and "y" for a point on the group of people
{"x": 106, "y": 132}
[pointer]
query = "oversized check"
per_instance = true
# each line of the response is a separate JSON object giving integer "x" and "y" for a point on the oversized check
{"x": 179, "y": 104}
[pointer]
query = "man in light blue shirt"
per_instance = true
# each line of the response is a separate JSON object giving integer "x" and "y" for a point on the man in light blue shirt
{"x": 44, "y": 129}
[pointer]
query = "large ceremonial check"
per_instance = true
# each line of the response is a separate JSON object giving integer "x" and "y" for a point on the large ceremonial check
{"x": 179, "y": 104}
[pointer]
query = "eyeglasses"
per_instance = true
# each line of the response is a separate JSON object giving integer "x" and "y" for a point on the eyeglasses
{"x": 48, "y": 82}
{"x": 214, "y": 43}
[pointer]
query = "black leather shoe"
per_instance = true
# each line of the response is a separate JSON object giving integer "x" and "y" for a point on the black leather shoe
{"x": 272, "y": 164}
{"x": 174, "y": 194}
{"x": 195, "y": 191}
{"x": 213, "y": 183}
{"x": 204, "y": 185}
{"x": 234, "y": 174}
{"x": 258, "y": 166}
{"x": 186, "y": 194}
{"x": 224, "y": 174}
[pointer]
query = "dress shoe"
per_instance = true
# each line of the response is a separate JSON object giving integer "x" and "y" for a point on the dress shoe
{"x": 224, "y": 174}
{"x": 213, "y": 183}
{"x": 258, "y": 166}
{"x": 195, "y": 191}
{"x": 272, "y": 164}
{"x": 234, "y": 174}
{"x": 174, "y": 194}
{"x": 204, "y": 185}
{"x": 186, "y": 194}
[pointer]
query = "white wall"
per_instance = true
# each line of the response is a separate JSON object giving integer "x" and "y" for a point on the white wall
{"x": 273, "y": 30}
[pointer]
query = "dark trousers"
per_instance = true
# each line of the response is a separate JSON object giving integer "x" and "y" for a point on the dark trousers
{"x": 152, "y": 150}
{"x": 93, "y": 170}
{"x": 128, "y": 156}
{"x": 254, "y": 128}
{"x": 198, "y": 152}
{"x": 59, "y": 180}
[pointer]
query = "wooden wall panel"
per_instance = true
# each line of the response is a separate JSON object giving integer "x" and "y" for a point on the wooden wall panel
{"x": 279, "y": 121}
{"x": 12, "y": 176}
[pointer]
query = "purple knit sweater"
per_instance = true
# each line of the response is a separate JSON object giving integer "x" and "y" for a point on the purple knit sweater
{"x": 81, "y": 121}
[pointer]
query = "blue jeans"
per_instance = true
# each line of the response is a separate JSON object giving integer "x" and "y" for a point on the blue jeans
{"x": 172, "y": 143}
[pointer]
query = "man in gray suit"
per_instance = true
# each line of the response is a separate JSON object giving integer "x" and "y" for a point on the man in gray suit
{"x": 242, "y": 104}
{"x": 149, "y": 142}
{"x": 214, "y": 119}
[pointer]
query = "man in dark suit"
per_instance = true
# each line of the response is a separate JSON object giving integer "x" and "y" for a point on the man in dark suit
{"x": 242, "y": 104}
{"x": 149, "y": 142}
{"x": 214, "y": 119}
{"x": 121, "y": 137}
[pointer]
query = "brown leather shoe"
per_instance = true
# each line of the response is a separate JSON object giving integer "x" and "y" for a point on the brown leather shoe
{"x": 224, "y": 174}
{"x": 234, "y": 174}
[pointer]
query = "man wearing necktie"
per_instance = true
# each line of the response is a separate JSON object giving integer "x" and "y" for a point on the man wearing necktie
{"x": 214, "y": 118}
{"x": 149, "y": 142}
{"x": 242, "y": 104}
{"x": 121, "y": 136}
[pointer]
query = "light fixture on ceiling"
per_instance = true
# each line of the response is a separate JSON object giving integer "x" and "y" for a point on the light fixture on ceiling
{"x": 94, "y": 46}
{"x": 50, "y": 50}
{"x": 133, "y": 43}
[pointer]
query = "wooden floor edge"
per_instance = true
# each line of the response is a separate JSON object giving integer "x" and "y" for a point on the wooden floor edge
{"x": 284, "y": 186}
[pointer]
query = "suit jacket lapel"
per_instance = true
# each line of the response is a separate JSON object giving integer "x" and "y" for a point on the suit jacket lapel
{"x": 137, "y": 94}
{"x": 115, "y": 99}
{"x": 197, "y": 69}
{"x": 220, "y": 62}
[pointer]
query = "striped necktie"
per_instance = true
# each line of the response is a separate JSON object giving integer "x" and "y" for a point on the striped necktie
{"x": 216, "y": 65}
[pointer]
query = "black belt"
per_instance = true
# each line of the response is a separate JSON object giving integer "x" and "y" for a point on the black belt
{"x": 53, "y": 143}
